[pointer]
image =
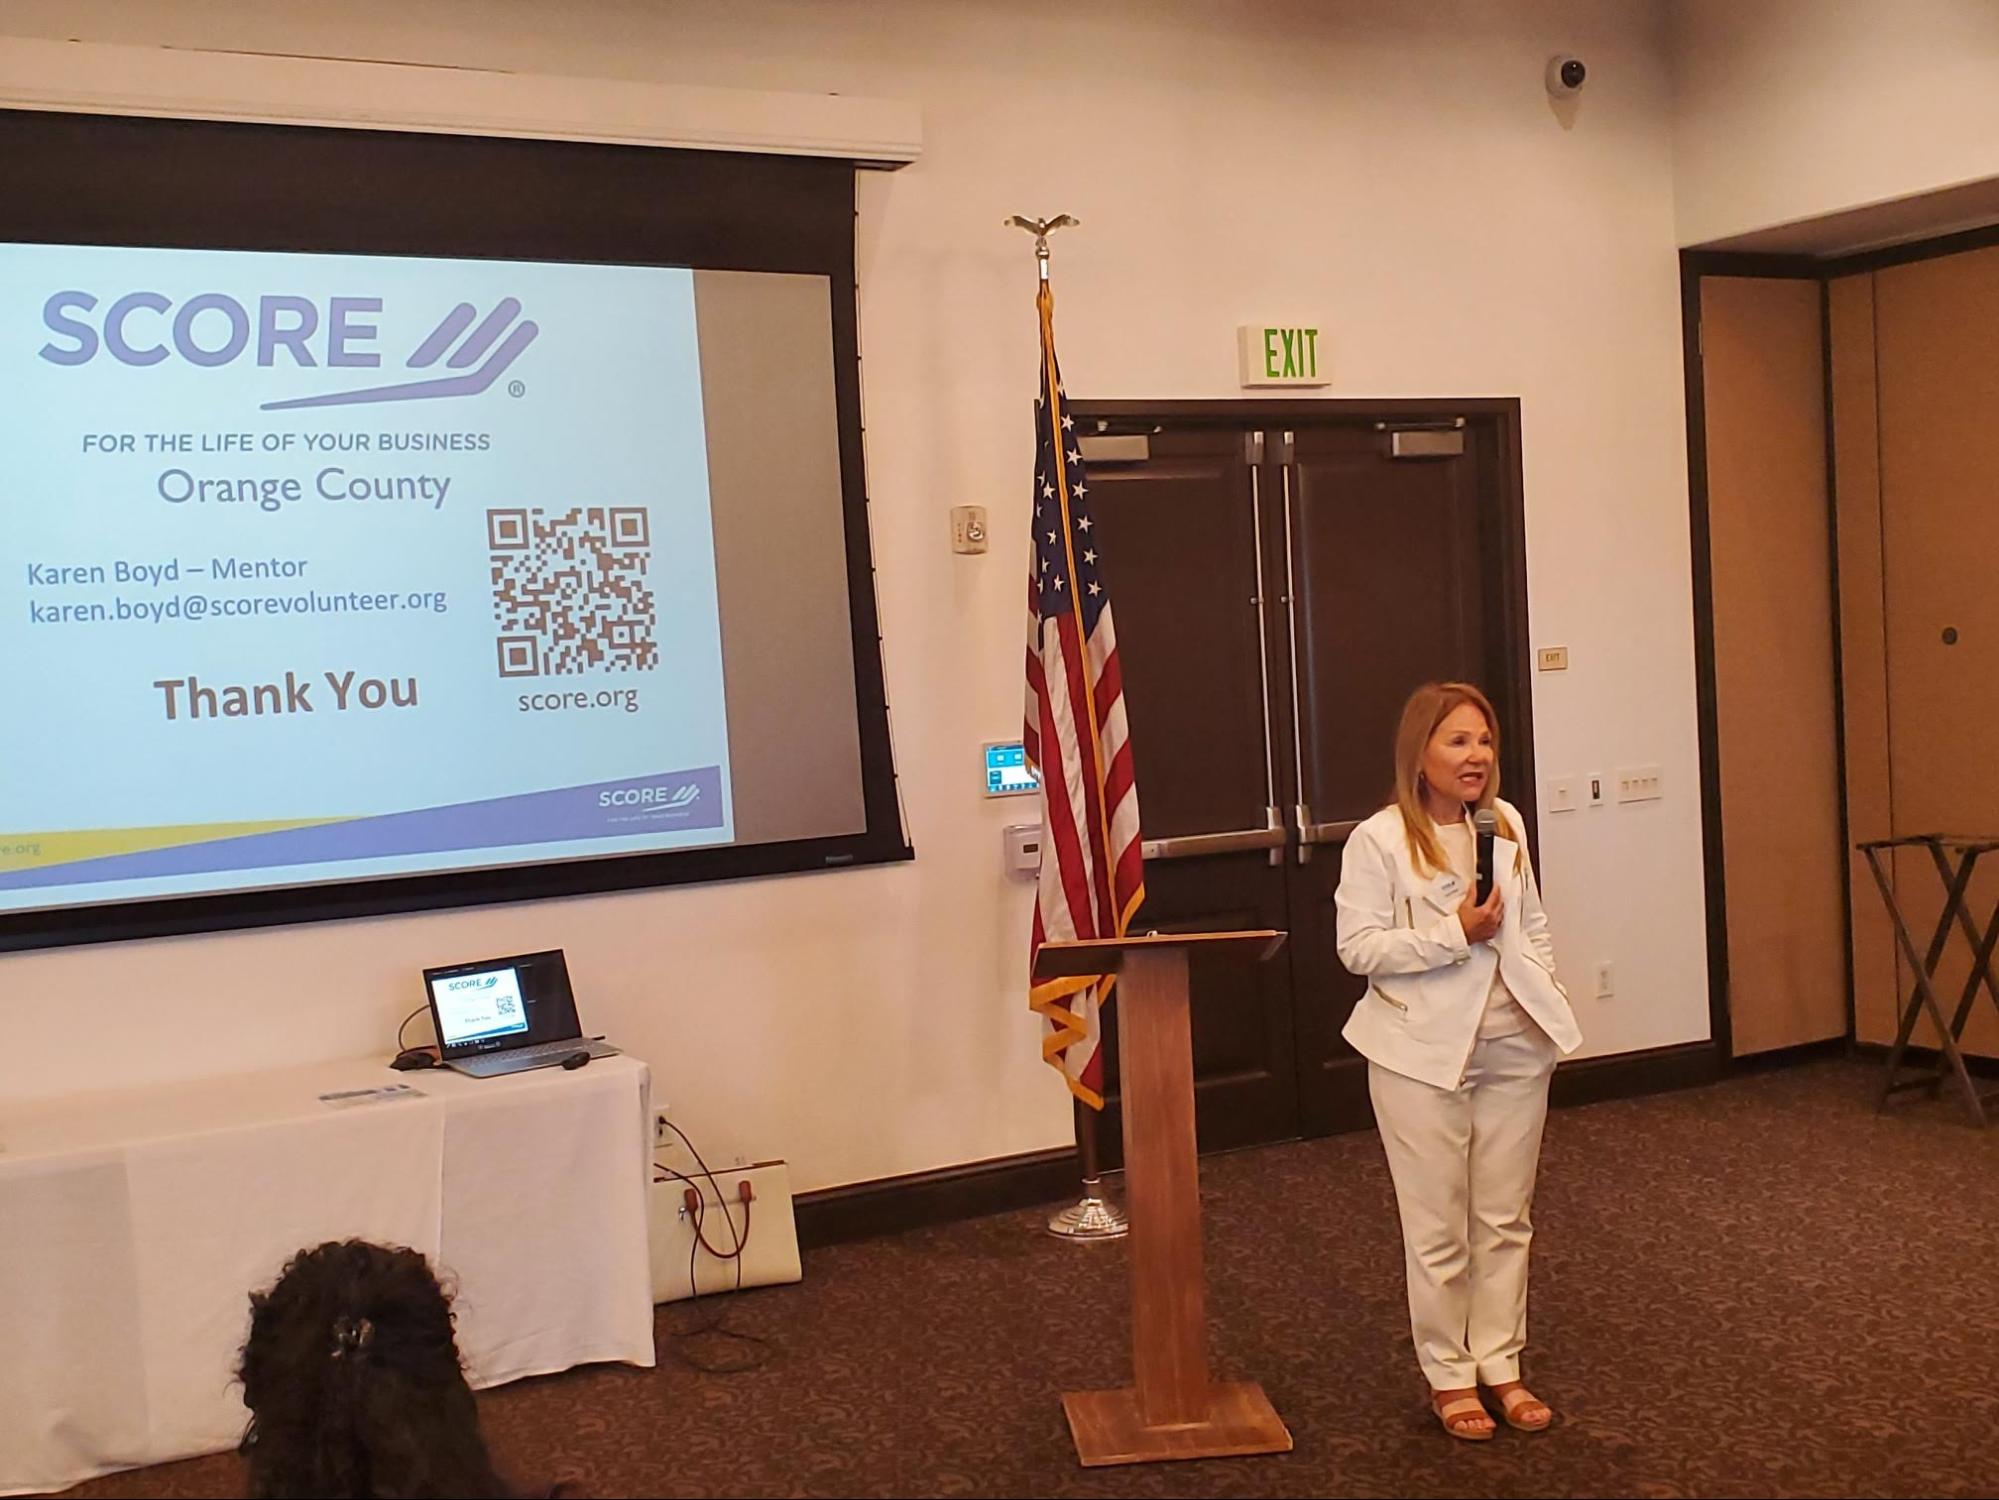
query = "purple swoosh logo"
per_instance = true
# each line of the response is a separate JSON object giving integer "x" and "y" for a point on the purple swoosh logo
{"x": 428, "y": 352}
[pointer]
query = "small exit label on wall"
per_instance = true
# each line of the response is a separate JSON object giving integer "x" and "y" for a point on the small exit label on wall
{"x": 1274, "y": 354}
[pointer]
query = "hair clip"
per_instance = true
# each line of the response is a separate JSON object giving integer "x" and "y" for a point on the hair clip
{"x": 352, "y": 1333}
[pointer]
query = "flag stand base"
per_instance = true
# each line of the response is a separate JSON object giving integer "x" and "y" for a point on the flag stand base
{"x": 1094, "y": 1217}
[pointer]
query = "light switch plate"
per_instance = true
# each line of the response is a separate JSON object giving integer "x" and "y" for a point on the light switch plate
{"x": 1561, "y": 794}
{"x": 1639, "y": 784}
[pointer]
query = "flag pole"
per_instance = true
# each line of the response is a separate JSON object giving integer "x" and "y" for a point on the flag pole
{"x": 1093, "y": 1216}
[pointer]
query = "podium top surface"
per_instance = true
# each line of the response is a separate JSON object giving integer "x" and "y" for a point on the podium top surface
{"x": 1107, "y": 955}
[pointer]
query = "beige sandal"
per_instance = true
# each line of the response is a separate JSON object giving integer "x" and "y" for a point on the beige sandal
{"x": 1456, "y": 1414}
{"x": 1516, "y": 1399}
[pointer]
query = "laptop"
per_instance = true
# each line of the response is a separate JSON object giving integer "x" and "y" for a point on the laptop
{"x": 506, "y": 1015}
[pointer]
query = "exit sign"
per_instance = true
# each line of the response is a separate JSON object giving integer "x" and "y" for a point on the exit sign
{"x": 1271, "y": 354}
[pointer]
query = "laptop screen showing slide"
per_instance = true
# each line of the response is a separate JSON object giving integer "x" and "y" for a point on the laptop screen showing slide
{"x": 500, "y": 1004}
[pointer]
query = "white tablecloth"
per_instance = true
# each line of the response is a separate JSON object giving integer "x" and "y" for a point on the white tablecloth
{"x": 133, "y": 1227}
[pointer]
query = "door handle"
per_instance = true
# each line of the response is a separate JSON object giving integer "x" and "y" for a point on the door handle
{"x": 1328, "y": 833}
{"x": 1197, "y": 845}
{"x": 1253, "y": 456}
{"x": 1303, "y": 810}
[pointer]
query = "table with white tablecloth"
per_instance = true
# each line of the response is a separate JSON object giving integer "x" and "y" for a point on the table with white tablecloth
{"x": 134, "y": 1225}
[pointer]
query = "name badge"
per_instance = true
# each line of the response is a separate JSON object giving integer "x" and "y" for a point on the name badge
{"x": 1445, "y": 892}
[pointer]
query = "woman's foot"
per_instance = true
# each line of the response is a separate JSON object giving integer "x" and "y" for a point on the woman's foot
{"x": 1524, "y": 1410}
{"x": 1464, "y": 1416}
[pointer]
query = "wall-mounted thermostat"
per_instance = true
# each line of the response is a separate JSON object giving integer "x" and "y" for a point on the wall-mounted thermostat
{"x": 1007, "y": 774}
{"x": 968, "y": 528}
{"x": 1023, "y": 850}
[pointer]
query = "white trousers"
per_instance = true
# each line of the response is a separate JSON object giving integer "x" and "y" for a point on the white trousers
{"x": 1463, "y": 1161}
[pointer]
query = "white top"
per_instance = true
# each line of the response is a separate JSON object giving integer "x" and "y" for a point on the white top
{"x": 1503, "y": 1015}
{"x": 1427, "y": 987}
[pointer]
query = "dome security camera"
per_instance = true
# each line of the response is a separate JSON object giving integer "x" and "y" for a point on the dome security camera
{"x": 1565, "y": 75}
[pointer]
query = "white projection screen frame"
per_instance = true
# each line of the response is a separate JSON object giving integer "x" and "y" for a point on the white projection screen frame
{"x": 410, "y": 521}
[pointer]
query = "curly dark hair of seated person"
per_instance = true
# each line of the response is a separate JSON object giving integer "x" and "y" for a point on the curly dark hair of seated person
{"x": 353, "y": 1382}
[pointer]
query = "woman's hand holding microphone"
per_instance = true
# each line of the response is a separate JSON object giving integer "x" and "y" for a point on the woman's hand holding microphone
{"x": 1481, "y": 922}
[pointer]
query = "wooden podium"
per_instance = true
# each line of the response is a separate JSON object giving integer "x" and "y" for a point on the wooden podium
{"x": 1172, "y": 1409}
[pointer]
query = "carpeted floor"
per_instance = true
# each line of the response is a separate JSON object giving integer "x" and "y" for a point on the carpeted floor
{"x": 1758, "y": 1288}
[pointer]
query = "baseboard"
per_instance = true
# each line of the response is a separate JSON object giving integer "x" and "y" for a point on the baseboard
{"x": 1789, "y": 1057}
{"x": 890, "y": 1205}
{"x": 1628, "y": 1075}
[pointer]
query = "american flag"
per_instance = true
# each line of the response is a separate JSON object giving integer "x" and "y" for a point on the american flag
{"x": 1092, "y": 878}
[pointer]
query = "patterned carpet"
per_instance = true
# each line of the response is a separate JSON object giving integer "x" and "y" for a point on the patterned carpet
{"x": 1757, "y": 1288}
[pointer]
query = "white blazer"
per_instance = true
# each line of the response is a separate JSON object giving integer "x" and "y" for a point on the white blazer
{"x": 1427, "y": 987}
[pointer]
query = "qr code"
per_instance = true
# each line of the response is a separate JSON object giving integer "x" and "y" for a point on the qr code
{"x": 570, "y": 592}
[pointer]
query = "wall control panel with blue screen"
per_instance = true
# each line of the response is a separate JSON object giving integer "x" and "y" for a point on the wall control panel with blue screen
{"x": 1007, "y": 773}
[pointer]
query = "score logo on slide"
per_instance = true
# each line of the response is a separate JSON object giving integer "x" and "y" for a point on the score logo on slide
{"x": 216, "y": 329}
{"x": 668, "y": 797}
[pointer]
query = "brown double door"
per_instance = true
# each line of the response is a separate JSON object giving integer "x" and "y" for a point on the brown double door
{"x": 1282, "y": 579}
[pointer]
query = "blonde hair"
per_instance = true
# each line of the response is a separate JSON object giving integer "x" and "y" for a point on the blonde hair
{"x": 1428, "y": 707}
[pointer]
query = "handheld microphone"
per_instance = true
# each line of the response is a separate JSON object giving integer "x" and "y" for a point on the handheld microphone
{"x": 1485, "y": 822}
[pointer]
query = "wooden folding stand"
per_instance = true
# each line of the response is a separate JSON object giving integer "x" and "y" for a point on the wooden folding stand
{"x": 1172, "y": 1409}
{"x": 1923, "y": 997}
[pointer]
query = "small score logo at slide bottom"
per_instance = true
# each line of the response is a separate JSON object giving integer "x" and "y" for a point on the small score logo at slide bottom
{"x": 665, "y": 798}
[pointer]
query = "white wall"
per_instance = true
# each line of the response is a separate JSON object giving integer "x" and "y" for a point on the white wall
{"x": 1790, "y": 109}
{"x": 1394, "y": 173}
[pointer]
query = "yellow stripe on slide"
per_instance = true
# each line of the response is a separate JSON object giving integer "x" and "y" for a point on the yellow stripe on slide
{"x": 31, "y": 851}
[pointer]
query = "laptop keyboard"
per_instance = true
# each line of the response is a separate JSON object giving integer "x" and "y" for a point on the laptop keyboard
{"x": 516, "y": 1059}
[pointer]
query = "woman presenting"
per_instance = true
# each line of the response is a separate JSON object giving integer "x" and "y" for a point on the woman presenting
{"x": 1461, "y": 1027}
